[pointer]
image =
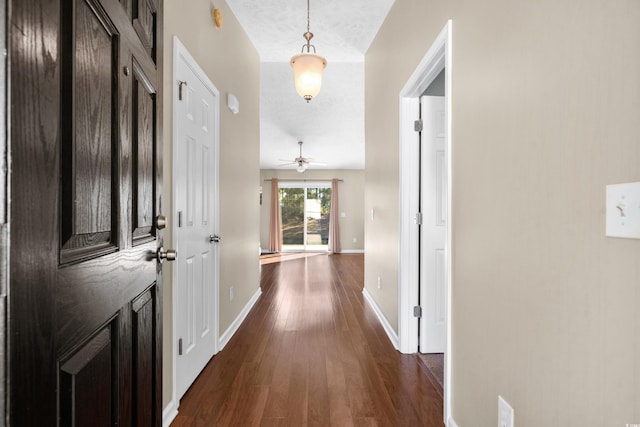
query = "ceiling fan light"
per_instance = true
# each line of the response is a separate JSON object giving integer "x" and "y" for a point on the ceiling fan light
{"x": 307, "y": 73}
{"x": 301, "y": 167}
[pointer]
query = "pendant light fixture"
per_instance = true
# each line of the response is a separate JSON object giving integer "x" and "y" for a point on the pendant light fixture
{"x": 308, "y": 67}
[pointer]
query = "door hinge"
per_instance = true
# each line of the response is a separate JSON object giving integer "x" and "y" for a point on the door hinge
{"x": 417, "y": 125}
{"x": 180, "y": 84}
{"x": 180, "y": 347}
{"x": 418, "y": 218}
{"x": 417, "y": 311}
{"x": 179, "y": 218}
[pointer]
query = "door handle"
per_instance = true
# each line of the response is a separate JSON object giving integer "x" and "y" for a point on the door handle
{"x": 214, "y": 238}
{"x": 168, "y": 254}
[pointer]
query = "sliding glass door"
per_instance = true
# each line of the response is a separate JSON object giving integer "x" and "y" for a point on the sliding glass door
{"x": 305, "y": 211}
{"x": 292, "y": 208}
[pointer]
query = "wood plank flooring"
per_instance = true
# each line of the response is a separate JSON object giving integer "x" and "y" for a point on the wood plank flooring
{"x": 312, "y": 353}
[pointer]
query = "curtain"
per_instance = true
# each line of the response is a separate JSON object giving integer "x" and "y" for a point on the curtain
{"x": 334, "y": 220}
{"x": 275, "y": 229}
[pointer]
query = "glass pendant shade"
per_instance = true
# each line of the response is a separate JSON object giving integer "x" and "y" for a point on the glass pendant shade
{"x": 307, "y": 73}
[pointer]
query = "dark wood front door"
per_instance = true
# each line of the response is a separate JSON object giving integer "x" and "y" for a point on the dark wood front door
{"x": 86, "y": 159}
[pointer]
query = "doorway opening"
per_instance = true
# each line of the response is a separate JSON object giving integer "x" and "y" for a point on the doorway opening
{"x": 437, "y": 60}
{"x": 305, "y": 209}
{"x": 432, "y": 230}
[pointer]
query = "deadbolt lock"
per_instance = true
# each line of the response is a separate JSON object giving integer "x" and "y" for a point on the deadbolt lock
{"x": 161, "y": 222}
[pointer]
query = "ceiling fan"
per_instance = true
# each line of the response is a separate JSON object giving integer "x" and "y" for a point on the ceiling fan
{"x": 301, "y": 162}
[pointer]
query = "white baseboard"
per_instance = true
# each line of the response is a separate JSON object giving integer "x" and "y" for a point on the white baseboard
{"x": 352, "y": 251}
{"x": 226, "y": 336}
{"x": 393, "y": 337}
{"x": 451, "y": 423}
{"x": 169, "y": 413}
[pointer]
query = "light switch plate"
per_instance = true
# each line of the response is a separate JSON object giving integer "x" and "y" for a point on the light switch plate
{"x": 623, "y": 210}
{"x": 232, "y": 103}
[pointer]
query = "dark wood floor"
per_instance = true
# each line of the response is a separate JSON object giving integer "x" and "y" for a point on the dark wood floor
{"x": 312, "y": 353}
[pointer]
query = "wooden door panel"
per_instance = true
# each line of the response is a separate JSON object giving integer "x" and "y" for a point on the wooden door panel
{"x": 144, "y": 107}
{"x": 144, "y": 349}
{"x": 89, "y": 63}
{"x": 87, "y": 381}
{"x": 92, "y": 89}
{"x": 144, "y": 22}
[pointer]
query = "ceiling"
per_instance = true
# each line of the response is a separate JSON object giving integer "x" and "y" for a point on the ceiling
{"x": 332, "y": 124}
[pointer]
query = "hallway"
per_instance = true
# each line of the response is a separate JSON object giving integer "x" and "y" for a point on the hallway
{"x": 311, "y": 352}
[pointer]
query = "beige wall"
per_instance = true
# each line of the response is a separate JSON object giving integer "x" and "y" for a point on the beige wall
{"x": 351, "y": 202}
{"x": 232, "y": 63}
{"x": 546, "y": 108}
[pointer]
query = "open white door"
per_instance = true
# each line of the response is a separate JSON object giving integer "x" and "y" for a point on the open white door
{"x": 196, "y": 130}
{"x": 433, "y": 205}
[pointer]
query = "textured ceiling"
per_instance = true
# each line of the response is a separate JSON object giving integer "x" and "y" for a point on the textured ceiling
{"x": 332, "y": 124}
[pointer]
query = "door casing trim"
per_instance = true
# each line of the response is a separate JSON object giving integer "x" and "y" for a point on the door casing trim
{"x": 438, "y": 57}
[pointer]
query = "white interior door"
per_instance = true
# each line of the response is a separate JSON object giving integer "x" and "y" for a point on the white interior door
{"x": 196, "y": 119}
{"x": 433, "y": 205}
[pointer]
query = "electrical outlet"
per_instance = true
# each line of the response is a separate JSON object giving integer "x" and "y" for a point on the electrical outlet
{"x": 505, "y": 413}
{"x": 379, "y": 283}
{"x": 355, "y": 240}
{"x": 231, "y": 293}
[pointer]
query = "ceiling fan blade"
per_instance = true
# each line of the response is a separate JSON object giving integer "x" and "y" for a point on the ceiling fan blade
{"x": 300, "y": 161}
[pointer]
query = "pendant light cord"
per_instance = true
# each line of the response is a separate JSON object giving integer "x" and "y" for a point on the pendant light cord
{"x": 308, "y": 17}
{"x": 308, "y": 35}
